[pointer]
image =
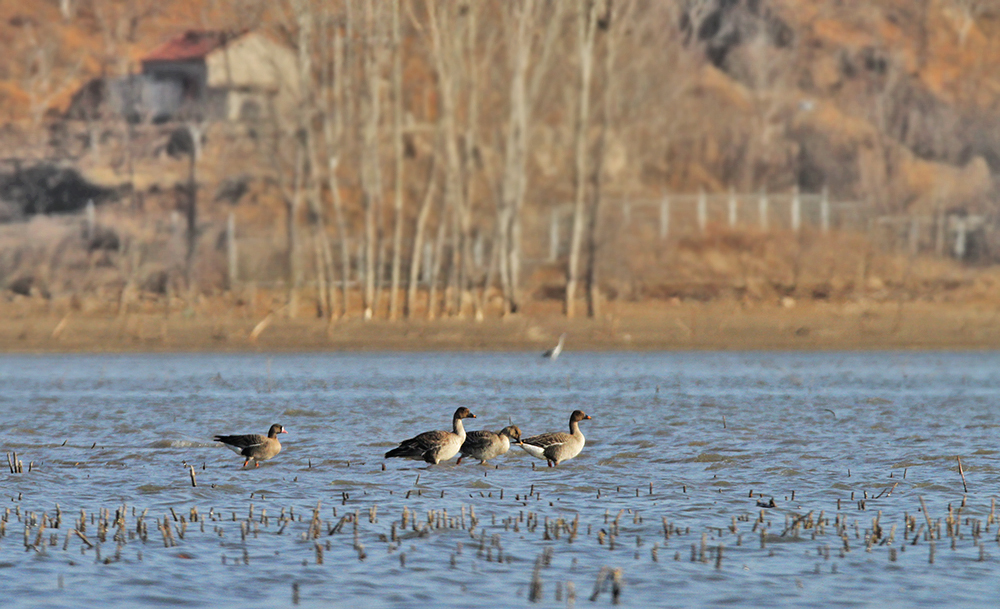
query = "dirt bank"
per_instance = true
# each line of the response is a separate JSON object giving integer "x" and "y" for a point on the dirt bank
{"x": 678, "y": 326}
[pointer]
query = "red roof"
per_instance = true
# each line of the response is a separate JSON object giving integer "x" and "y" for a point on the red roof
{"x": 192, "y": 44}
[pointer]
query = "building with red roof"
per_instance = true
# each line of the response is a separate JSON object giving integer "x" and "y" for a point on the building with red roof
{"x": 200, "y": 75}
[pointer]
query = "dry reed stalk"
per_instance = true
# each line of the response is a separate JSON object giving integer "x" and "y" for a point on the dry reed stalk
{"x": 83, "y": 538}
{"x": 60, "y": 327}
{"x": 927, "y": 517}
{"x": 962, "y": 472}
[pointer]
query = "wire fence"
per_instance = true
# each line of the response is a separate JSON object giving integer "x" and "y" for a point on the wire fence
{"x": 229, "y": 254}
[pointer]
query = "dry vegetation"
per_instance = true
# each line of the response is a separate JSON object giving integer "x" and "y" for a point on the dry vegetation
{"x": 460, "y": 127}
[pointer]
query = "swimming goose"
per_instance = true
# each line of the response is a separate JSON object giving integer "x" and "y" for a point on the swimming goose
{"x": 435, "y": 446}
{"x": 484, "y": 444}
{"x": 255, "y": 446}
{"x": 558, "y": 446}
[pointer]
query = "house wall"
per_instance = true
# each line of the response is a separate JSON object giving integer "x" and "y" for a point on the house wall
{"x": 255, "y": 71}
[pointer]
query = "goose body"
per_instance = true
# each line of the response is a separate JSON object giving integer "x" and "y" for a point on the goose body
{"x": 254, "y": 446}
{"x": 435, "y": 446}
{"x": 558, "y": 446}
{"x": 484, "y": 445}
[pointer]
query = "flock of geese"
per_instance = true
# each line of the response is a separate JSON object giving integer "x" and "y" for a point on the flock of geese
{"x": 437, "y": 446}
{"x": 441, "y": 445}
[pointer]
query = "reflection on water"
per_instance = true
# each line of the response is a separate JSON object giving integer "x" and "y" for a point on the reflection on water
{"x": 847, "y": 445}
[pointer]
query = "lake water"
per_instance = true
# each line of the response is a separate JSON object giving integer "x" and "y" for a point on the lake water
{"x": 846, "y": 444}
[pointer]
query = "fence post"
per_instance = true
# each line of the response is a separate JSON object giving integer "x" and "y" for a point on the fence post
{"x": 664, "y": 216}
{"x": 914, "y": 236}
{"x": 824, "y": 210}
{"x": 231, "y": 253}
{"x": 762, "y": 210}
{"x": 554, "y": 235}
{"x": 796, "y": 209}
{"x": 960, "y": 236}
{"x": 732, "y": 207}
{"x": 90, "y": 218}
{"x": 702, "y": 210}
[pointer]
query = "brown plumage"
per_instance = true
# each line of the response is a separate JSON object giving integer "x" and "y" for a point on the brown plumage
{"x": 558, "y": 446}
{"x": 484, "y": 444}
{"x": 435, "y": 446}
{"x": 254, "y": 446}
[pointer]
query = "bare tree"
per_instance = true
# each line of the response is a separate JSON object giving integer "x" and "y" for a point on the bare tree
{"x": 309, "y": 96}
{"x": 444, "y": 54}
{"x": 45, "y": 72}
{"x": 971, "y": 11}
{"x": 335, "y": 105}
{"x": 525, "y": 38}
{"x": 397, "y": 148}
{"x": 418, "y": 237}
{"x": 371, "y": 178}
{"x": 587, "y": 13}
{"x": 437, "y": 260}
{"x": 293, "y": 203}
{"x": 611, "y": 22}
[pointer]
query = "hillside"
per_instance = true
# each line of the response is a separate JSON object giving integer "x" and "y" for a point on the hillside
{"x": 889, "y": 105}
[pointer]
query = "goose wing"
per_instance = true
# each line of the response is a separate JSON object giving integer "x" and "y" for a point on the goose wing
{"x": 415, "y": 447}
{"x": 243, "y": 442}
{"x": 478, "y": 440}
{"x": 547, "y": 440}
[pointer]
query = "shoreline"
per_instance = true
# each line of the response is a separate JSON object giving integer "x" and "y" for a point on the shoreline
{"x": 718, "y": 325}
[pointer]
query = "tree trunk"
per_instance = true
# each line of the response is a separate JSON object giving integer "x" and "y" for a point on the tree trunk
{"x": 293, "y": 204}
{"x": 597, "y": 175}
{"x": 397, "y": 124}
{"x": 436, "y": 262}
{"x": 503, "y": 260}
{"x": 379, "y": 270}
{"x": 514, "y": 162}
{"x": 370, "y": 172}
{"x": 333, "y": 139}
{"x": 452, "y": 296}
{"x": 192, "y": 210}
{"x": 418, "y": 239}
{"x": 444, "y": 64}
{"x": 587, "y": 27}
{"x": 468, "y": 53}
{"x": 522, "y": 96}
{"x": 325, "y": 294}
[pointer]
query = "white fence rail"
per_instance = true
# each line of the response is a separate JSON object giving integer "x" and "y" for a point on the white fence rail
{"x": 694, "y": 213}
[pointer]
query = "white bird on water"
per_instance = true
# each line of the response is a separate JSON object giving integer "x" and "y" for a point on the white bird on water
{"x": 554, "y": 352}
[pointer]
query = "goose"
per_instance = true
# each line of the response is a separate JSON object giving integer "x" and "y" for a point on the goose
{"x": 435, "y": 446}
{"x": 484, "y": 444}
{"x": 556, "y": 447}
{"x": 255, "y": 446}
{"x": 554, "y": 352}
